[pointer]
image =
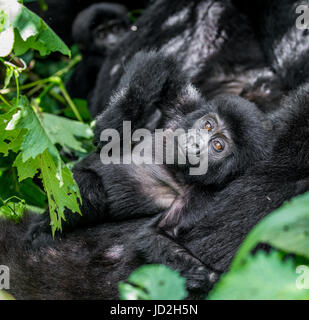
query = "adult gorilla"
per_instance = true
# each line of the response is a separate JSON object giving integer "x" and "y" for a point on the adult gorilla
{"x": 88, "y": 263}
{"x": 61, "y": 13}
{"x": 224, "y": 46}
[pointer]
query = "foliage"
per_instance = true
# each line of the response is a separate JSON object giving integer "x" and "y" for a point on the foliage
{"x": 269, "y": 276}
{"x": 5, "y": 296}
{"x": 263, "y": 277}
{"x": 12, "y": 210}
{"x": 23, "y": 30}
{"x": 287, "y": 229}
{"x": 37, "y": 147}
{"x": 43, "y": 132}
{"x": 153, "y": 282}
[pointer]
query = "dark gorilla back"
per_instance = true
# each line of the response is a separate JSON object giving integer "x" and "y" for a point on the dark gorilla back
{"x": 85, "y": 265}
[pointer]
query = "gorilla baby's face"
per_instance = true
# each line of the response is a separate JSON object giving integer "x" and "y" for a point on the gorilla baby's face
{"x": 230, "y": 133}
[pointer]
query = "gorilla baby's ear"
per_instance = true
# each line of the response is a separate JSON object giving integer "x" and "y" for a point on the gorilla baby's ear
{"x": 99, "y": 26}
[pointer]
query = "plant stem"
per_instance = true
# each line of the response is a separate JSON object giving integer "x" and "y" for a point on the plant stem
{"x": 71, "y": 64}
{"x": 59, "y": 73}
{"x": 35, "y": 89}
{"x": 52, "y": 80}
{"x": 25, "y": 86}
{"x": 45, "y": 91}
{"x": 57, "y": 96}
{"x": 17, "y": 86}
{"x": 70, "y": 102}
{"x": 4, "y": 101}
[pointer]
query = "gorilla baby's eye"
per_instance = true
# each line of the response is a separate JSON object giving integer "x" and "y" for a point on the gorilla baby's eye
{"x": 208, "y": 126}
{"x": 218, "y": 146}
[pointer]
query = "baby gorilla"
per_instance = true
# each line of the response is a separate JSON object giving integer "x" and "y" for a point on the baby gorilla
{"x": 152, "y": 94}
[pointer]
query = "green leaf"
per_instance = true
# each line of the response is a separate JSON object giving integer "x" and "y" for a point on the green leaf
{"x": 27, "y": 189}
{"x": 45, "y": 42}
{"x": 153, "y": 282}
{"x": 263, "y": 277}
{"x": 5, "y": 296}
{"x": 286, "y": 229}
{"x": 82, "y": 107}
{"x": 28, "y": 30}
{"x": 26, "y": 169}
{"x": 26, "y": 22}
{"x": 9, "y": 140}
{"x": 13, "y": 210}
{"x": 36, "y": 139}
{"x": 36, "y": 135}
{"x": 64, "y": 131}
{"x": 51, "y": 42}
{"x": 60, "y": 197}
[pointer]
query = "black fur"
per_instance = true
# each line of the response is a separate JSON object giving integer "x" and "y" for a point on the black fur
{"x": 235, "y": 53}
{"x": 61, "y": 13}
{"x": 220, "y": 47}
{"x": 88, "y": 263}
{"x": 154, "y": 82}
{"x": 96, "y": 30}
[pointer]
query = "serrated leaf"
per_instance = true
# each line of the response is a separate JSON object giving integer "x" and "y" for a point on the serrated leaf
{"x": 153, "y": 282}
{"x": 51, "y": 42}
{"x": 64, "y": 131}
{"x": 26, "y": 169}
{"x": 38, "y": 154}
{"x": 60, "y": 197}
{"x": 36, "y": 139}
{"x": 46, "y": 41}
{"x": 263, "y": 277}
{"x": 9, "y": 140}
